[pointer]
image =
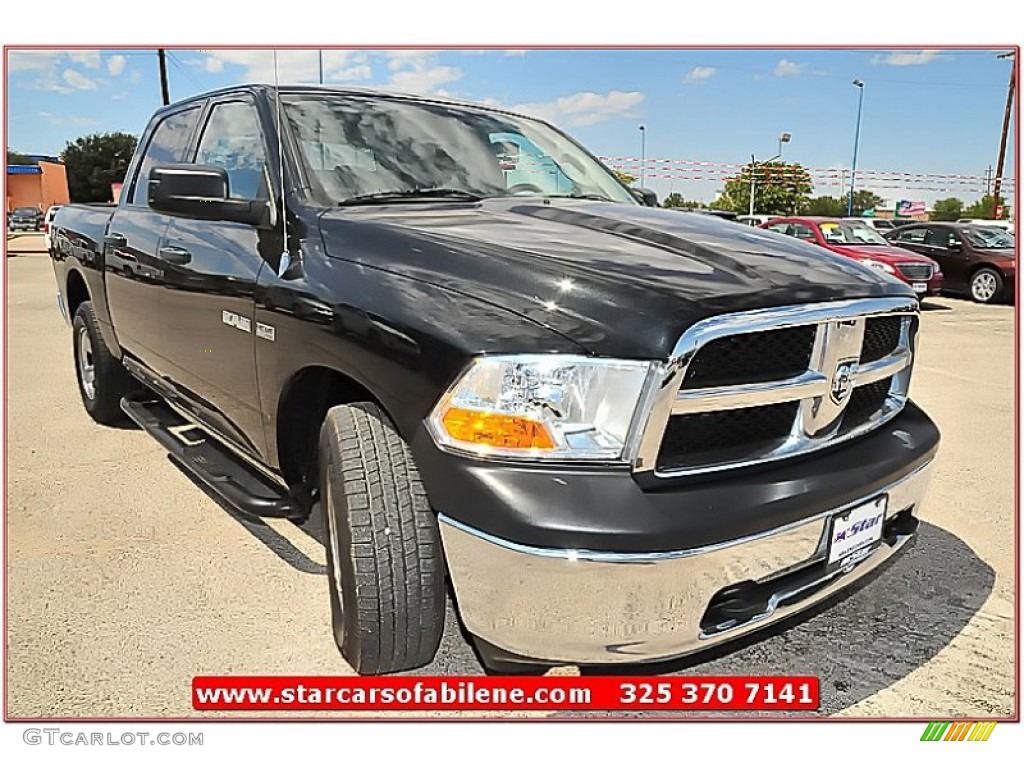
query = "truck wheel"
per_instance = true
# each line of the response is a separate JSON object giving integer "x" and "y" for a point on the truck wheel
{"x": 102, "y": 380}
{"x": 986, "y": 286}
{"x": 384, "y": 560}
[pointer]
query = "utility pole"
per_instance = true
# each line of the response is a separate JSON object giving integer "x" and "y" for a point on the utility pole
{"x": 988, "y": 179}
{"x": 162, "y": 56}
{"x": 321, "y": 52}
{"x": 1006, "y": 129}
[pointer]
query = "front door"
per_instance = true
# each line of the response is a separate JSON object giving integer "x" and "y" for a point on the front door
{"x": 211, "y": 268}
{"x": 133, "y": 271}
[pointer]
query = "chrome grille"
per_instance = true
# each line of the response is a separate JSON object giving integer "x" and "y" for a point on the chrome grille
{"x": 916, "y": 271}
{"x": 846, "y": 370}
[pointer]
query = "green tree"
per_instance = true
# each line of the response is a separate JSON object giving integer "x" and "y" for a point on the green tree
{"x": 864, "y": 201}
{"x": 676, "y": 200}
{"x": 779, "y": 189}
{"x": 948, "y": 209}
{"x": 625, "y": 178}
{"x": 982, "y": 209}
{"x": 825, "y": 206}
{"x": 95, "y": 162}
{"x": 16, "y": 158}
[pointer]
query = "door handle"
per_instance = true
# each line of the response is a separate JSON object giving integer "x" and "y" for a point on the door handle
{"x": 115, "y": 240}
{"x": 173, "y": 255}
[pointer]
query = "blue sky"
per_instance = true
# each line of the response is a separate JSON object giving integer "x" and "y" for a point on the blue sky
{"x": 925, "y": 112}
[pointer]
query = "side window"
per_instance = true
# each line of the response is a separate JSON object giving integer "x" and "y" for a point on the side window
{"x": 167, "y": 145}
{"x": 915, "y": 236}
{"x": 937, "y": 237}
{"x": 782, "y": 229}
{"x": 802, "y": 231}
{"x": 232, "y": 140}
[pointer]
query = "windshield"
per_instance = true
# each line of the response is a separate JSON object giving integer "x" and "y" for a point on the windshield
{"x": 850, "y": 233}
{"x": 26, "y": 211}
{"x": 985, "y": 237}
{"x": 360, "y": 146}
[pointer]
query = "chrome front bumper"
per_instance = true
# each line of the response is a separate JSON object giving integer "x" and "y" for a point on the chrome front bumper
{"x": 599, "y": 607}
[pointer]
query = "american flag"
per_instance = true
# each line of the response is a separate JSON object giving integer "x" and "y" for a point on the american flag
{"x": 909, "y": 208}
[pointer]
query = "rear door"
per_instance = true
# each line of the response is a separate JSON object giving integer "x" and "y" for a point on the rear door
{"x": 210, "y": 270}
{"x": 133, "y": 271}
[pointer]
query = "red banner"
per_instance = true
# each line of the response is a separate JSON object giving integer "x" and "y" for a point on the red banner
{"x": 460, "y": 694}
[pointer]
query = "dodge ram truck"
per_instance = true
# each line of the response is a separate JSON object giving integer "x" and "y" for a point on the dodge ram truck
{"x": 620, "y": 434}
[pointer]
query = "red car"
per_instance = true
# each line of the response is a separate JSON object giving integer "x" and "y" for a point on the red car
{"x": 859, "y": 241}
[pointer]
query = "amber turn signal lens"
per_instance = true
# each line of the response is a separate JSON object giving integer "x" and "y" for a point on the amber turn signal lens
{"x": 496, "y": 429}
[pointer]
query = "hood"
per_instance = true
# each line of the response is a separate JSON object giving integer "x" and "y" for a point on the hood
{"x": 619, "y": 280}
{"x": 889, "y": 254}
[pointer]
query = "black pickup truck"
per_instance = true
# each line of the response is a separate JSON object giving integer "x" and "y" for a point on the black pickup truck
{"x": 619, "y": 433}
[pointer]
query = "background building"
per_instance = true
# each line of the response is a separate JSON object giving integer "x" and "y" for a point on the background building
{"x": 40, "y": 184}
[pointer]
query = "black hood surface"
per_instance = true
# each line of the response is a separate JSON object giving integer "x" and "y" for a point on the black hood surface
{"x": 619, "y": 280}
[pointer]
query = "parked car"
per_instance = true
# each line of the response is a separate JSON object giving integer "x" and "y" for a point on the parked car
{"x": 28, "y": 219}
{"x": 1004, "y": 224}
{"x": 47, "y": 223}
{"x": 977, "y": 261}
{"x": 881, "y": 225}
{"x": 581, "y": 410}
{"x": 852, "y": 239}
{"x": 754, "y": 221}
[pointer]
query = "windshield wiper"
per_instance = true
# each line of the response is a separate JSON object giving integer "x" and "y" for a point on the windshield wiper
{"x": 428, "y": 193}
{"x": 585, "y": 197}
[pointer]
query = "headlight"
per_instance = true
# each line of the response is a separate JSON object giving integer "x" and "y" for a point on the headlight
{"x": 542, "y": 407}
{"x": 879, "y": 265}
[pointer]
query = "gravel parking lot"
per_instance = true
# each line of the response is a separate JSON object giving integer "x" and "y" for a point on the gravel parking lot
{"x": 125, "y": 580}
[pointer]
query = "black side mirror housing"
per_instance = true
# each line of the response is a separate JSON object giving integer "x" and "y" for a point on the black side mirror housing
{"x": 201, "y": 192}
{"x": 645, "y": 196}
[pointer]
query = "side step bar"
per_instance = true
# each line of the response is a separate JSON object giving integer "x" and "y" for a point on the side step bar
{"x": 212, "y": 464}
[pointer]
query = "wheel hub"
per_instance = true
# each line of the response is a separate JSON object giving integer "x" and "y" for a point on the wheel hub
{"x": 86, "y": 364}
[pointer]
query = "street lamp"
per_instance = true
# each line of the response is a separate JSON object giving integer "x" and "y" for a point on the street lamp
{"x": 856, "y": 143}
{"x": 784, "y": 138}
{"x": 643, "y": 153}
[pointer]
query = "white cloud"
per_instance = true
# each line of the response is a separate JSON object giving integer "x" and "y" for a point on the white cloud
{"x": 756, "y": 77}
{"x": 424, "y": 78}
{"x": 700, "y": 73}
{"x": 115, "y": 64}
{"x": 908, "y": 58}
{"x": 31, "y": 61}
{"x": 586, "y": 107}
{"x": 293, "y": 66}
{"x": 78, "y": 81}
{"x": 418, "y": 71}
{"x": 88, "y": 59}
{"x": 787, "y": 68}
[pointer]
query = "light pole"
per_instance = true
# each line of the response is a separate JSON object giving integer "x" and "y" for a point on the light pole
{"x": 753, "y": 169}
{"x": 856, "y": 143}
{"x": 643, "y": 153}
{"x": 784, "y": 138}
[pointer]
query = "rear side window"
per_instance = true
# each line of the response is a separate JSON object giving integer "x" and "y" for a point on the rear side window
{"x": 167, "y": 145}
{"x": 915, "y": 235}
{"x": 782, "y": 229}
{"x": 802, "y": 231}
{"x": 232, "y": 140}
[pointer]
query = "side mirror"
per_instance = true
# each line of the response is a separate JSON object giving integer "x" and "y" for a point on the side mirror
{"x": 955, "y": 245}
{"x": 201, "y": 192}
{"x": 645, "y": 196}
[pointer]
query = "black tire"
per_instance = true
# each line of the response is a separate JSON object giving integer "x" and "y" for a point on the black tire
{"x": 384, "y": 561}
{"x": 986, "y": 286}
{"x": 110, "y": 381}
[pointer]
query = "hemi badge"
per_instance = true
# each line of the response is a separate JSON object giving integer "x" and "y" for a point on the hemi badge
{"x": 265, "y": 331}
